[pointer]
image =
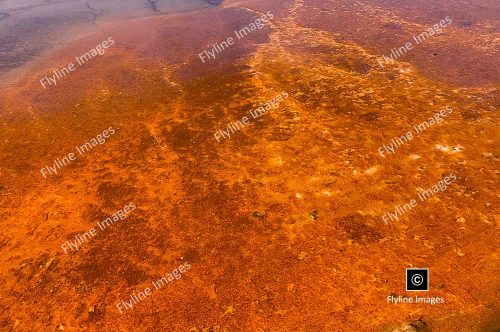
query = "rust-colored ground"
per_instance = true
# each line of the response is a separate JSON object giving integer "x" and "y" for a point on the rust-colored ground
{"x": 281, "y": 223}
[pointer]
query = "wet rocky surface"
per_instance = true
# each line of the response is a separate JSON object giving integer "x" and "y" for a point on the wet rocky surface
{"x": 30, "y": 28}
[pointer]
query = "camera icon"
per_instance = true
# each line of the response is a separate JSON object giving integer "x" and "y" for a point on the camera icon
{"x": 417, "y": 279}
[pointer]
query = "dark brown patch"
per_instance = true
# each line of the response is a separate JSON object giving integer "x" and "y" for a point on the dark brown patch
{"x": 114, "y": 195}
{"x": 371, "y": 116}
{"x": 470, "y": 115}
{"x": 93, "y": 213}
{"x": 357, "y": 230}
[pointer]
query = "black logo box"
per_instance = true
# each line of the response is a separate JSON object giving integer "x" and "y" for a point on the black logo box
{"x": 417, "y": 279}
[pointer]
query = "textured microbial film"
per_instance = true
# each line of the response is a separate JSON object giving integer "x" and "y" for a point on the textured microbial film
{"x": 250, "y": 165}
